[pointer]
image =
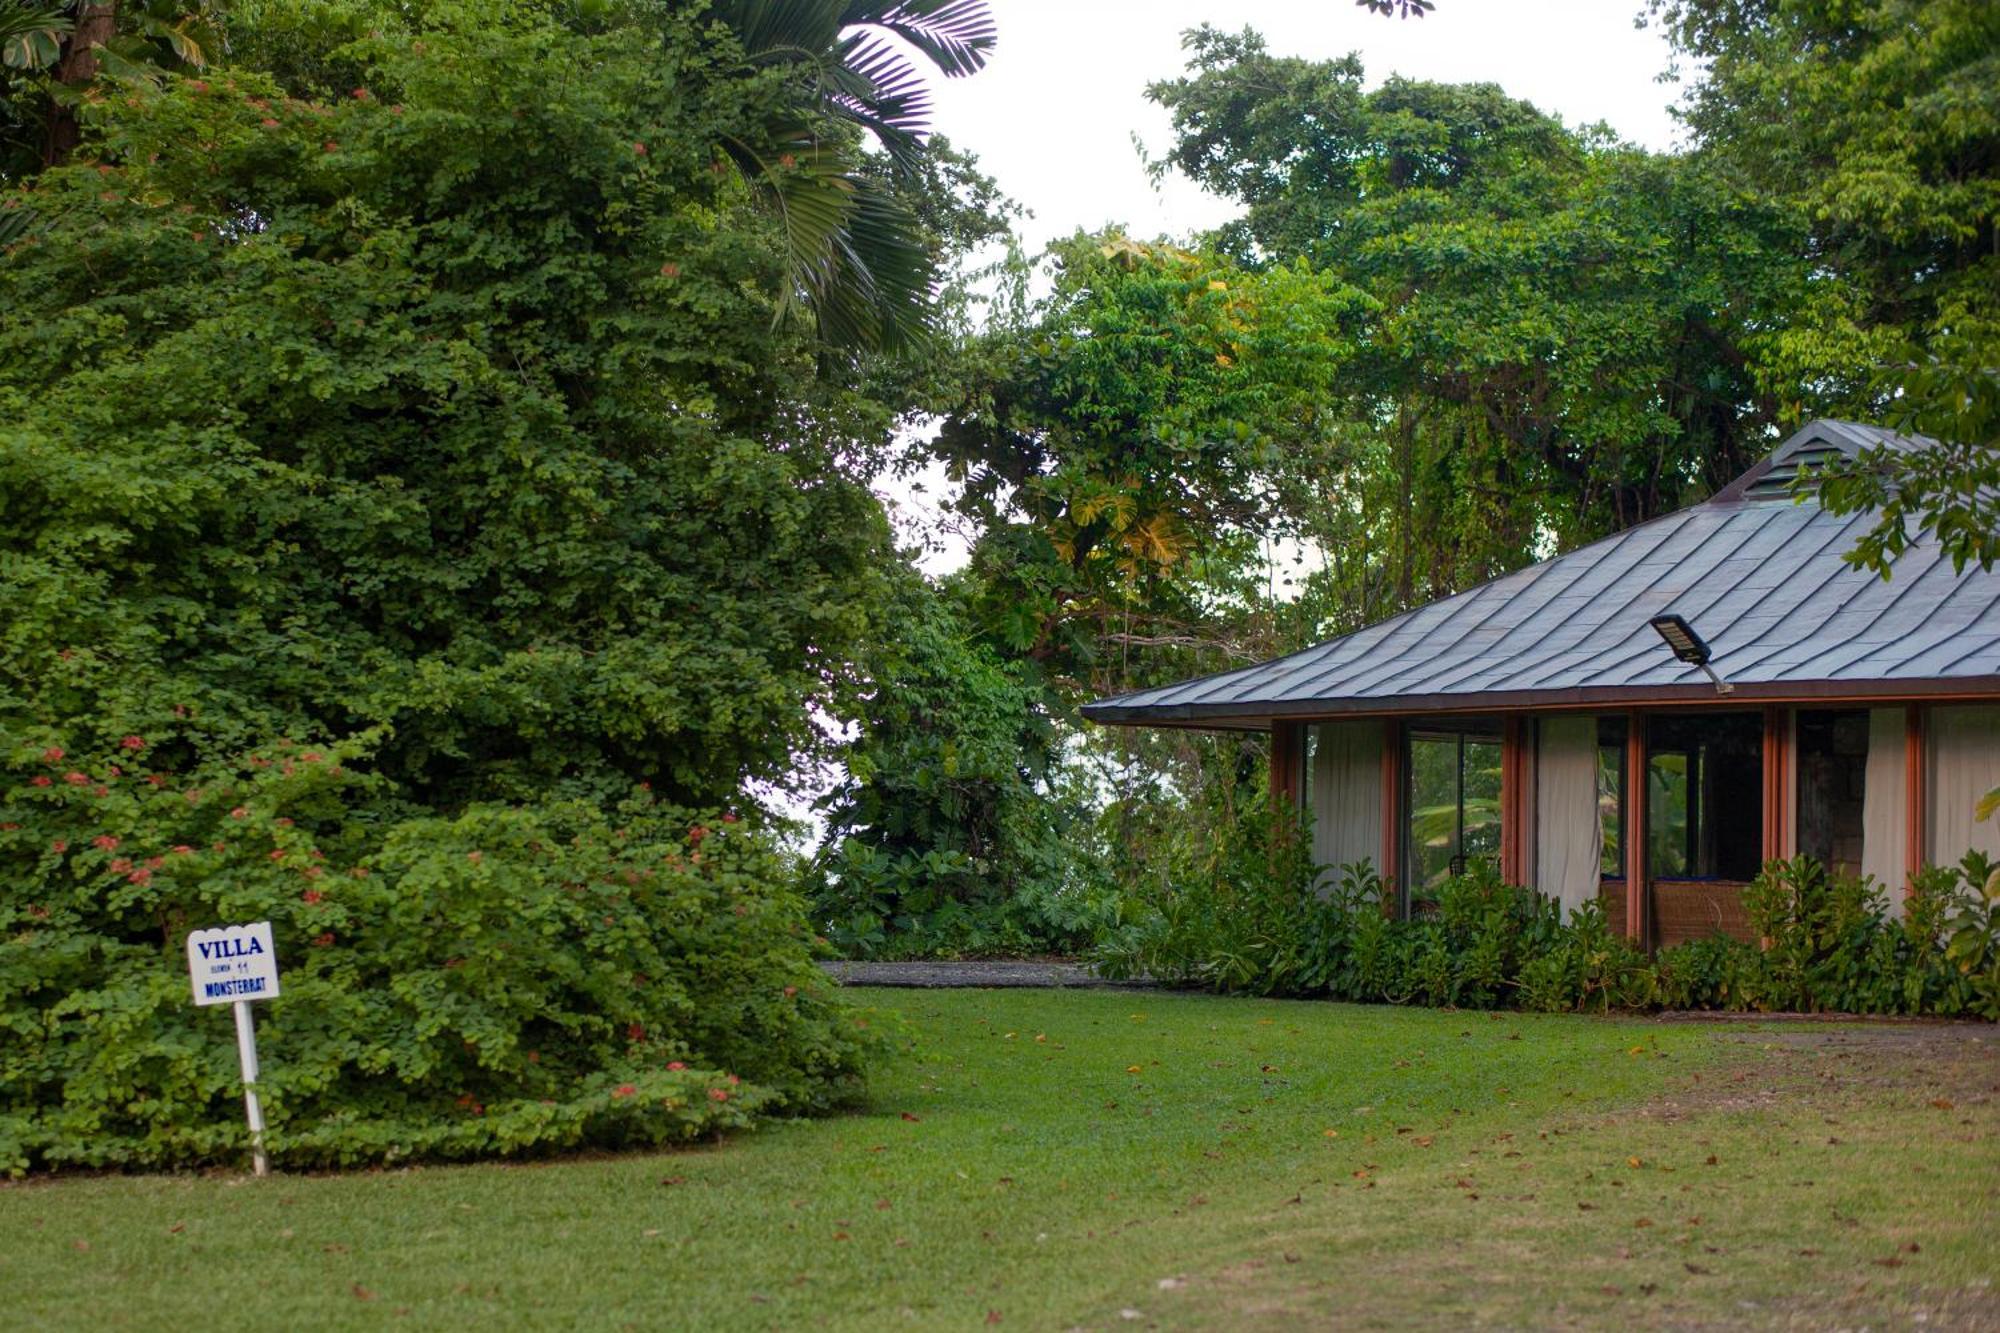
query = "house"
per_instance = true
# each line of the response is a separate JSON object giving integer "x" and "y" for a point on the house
{"x": 1542, "y": 722}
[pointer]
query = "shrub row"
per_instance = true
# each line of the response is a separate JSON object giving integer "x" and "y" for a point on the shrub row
{"x": 510, "y": 980}
{"x": 1251, "y": 913}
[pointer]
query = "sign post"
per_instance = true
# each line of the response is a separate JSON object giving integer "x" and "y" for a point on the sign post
{"x": 234, "y": 965}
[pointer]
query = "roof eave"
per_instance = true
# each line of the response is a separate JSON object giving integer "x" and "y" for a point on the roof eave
{"x": 1238, "y": 716}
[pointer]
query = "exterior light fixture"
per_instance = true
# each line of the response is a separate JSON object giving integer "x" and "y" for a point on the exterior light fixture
{"x": 1689, "y": 647}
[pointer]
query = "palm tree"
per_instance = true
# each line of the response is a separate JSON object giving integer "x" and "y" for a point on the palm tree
{"x": 856, "y": 256}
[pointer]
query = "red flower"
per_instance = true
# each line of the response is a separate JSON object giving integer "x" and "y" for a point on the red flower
{"x": 52, "y": 755}
{"x": 277, "y": 853}
{"x": 359, "y": 872}
{"x": 155, "y": 780}
{"x": 733, "y": 1080}
{"x": 133, "y": 743}
{"x": 141, "y": 876}
{"x": 312, "y": 895}
{"x": 696, "y": 834}
{"x": 100, "y": 791}
{"x": 183, "y": 850}
{"x": 76, "y": 779}
{"x": 790, "y": 991}
{"x": 360, "y": 94}
{"x": 623, "y": 1090}
{"x": 284, "y": 822}
{"x": 475, "y": 857}
{"x": 104, "y": 842}
{"x": 221, "y": 846}
{"x": 635, "y": 1033}
{"x": 239, "y": 813}
{"x": 677, "y": 1065}
{"x": 58, "y": 846}
{"x": 718, "y": 1094}
{"x": 639, "y": 148}
{"x": 268, "y": 123}
{"x": 120, "y": 865}
{"x": 309, "y": 757}
{"x": 729, "y": 818}
{"x": 41, "y": 780}
{"x": 322, "y": 940}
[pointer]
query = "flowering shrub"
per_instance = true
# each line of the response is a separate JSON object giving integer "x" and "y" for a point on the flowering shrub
{"x": 510, "y": 980}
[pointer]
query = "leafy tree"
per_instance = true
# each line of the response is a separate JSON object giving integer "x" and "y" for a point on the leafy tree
{"x": 950, "y": 833}
{"x": 1558, "y": 346}
{"x": 402, "y": 411}
{"x": 1876, "y": 125}
{"x": 1126, "y": 443}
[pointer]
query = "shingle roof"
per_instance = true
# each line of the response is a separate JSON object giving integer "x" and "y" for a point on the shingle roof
{"x": 1759, "y": 577}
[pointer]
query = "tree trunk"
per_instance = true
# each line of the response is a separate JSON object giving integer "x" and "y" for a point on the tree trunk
{"x": 95, "y": 26}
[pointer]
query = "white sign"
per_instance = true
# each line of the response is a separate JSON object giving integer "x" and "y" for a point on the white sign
{"x": 232, "y": 963}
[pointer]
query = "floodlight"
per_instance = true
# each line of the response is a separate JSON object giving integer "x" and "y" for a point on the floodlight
{"x": 1688, "y": 646}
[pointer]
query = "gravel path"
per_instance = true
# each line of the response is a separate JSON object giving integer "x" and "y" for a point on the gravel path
{"x": 969, "y": 974}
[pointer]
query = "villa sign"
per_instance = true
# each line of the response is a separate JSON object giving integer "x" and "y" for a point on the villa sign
{"x": 232, "y": 963}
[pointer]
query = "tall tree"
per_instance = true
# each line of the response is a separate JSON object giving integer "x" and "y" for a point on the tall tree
{"x": 1558, "y": 345}
{"x": 1876, "y": 126}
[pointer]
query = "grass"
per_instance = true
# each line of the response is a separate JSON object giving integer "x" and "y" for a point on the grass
{"x": 1099, "y": 1159}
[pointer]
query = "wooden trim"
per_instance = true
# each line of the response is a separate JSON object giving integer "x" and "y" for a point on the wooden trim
{"x": 1513, "y": 802}
{"x": 1392, "y": 811}
{"x": 1780, "y": 776}
{"x": 1635, "y": 827}
{"x": 1916, "y": 800}
{"x": 1287, "y": 747}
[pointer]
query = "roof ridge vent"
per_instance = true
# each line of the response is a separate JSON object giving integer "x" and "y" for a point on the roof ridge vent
{"x": 1782, "y": 476}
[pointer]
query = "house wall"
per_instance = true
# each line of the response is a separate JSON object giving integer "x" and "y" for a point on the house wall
{"x": 1964, "y": 764}
{"x": 1908, "y": 811}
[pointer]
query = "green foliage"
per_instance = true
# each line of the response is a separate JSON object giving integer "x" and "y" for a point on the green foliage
{"x": 399, "y": 412}
{"x": 950, "y": 835}
{"x": 1556, "y": 347}
{"x": 1255, "y": 916}
{"x": 503, "y": 981}
{"x": 1876, "y": 126}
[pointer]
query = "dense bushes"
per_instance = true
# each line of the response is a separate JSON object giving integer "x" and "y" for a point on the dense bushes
{"x": 499, "y": 982}
{"x": 1243, "y": 915}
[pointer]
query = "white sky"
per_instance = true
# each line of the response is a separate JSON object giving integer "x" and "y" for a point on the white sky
{"x": 1053, "y": 114}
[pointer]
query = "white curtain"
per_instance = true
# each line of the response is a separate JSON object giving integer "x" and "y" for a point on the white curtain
{"x": 1347, "y": 794}
{"x": 1964, "y": 766}
{"x": 1569, "y": 839}
{"x": 1884, "y": 812}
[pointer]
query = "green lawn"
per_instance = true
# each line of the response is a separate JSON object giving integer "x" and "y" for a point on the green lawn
{"x": 1114, "y": 1159}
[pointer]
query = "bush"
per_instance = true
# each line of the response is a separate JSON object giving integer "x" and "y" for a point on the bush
{"x": 509, "y": 980}
{"x": 1254, "y": 915}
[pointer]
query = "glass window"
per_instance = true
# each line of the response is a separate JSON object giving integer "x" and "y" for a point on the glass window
{"x": 1454, "y": 800}
{"x": 1833, "y": 772}
{"x": 1705, "y": 796}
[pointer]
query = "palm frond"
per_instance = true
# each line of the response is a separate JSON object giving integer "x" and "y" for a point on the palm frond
{"x": 958, "y": 36}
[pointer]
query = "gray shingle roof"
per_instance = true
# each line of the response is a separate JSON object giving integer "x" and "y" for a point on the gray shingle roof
{"x": 1758, "y": 576}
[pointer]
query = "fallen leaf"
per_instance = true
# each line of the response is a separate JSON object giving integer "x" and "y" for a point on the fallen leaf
{"x": 1643, "y": 1222}
{"x": 1711, "y": 1159}
{"x": 673, "y": 1180}
{"x": 362, "y": 1293}
{"x": 176, "y": 1228}
{"x": 882, "y": 1205}
{"x": 992, "y": 1316}
{"x": 1132, "y": 1069}
{"x": 1697, "y": 1269}
{"x": 80, "y": 1244}
{"x": 911, "y": 1118}
{"x": 1171, "y": 1283}
{"x": 1422, "y": 1140}
{"x": 1942, "y": 1103}
{"x": 1891, "y": 1262}
{"x": 1634, "y": 1163}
